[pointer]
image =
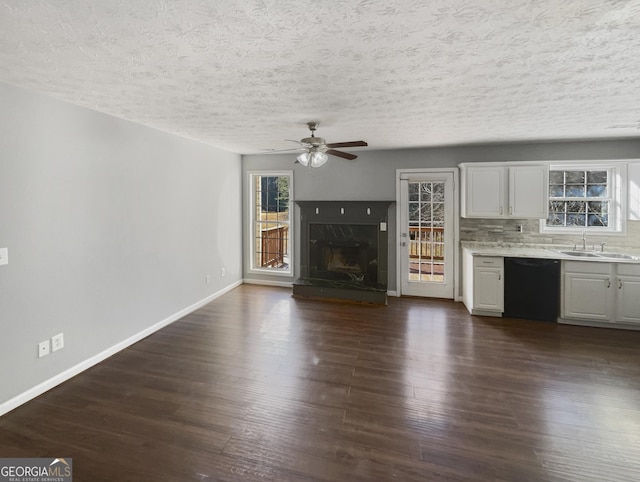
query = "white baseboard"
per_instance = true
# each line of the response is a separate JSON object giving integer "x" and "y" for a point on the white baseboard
{"x": 392, "y": 293}
{"x": 282, "y": 284}
{"x": 599, "y": 324}
{"x": 47, "y": 385}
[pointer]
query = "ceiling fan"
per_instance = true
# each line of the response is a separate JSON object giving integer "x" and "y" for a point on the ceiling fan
{"x": 315, "y": 149}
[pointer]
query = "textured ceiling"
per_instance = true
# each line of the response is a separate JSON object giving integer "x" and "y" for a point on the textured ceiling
{"x": 245, "y": 75}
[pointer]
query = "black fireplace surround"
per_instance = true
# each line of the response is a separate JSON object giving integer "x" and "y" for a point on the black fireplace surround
{"x": 343, "y": 250}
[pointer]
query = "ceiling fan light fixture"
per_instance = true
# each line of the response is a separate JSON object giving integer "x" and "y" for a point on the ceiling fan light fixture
{"x": 304, "y": 159}
{"x": 312, "y": 159}
{"x": 318, "y": 159}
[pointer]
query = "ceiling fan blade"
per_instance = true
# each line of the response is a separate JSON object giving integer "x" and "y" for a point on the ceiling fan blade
{"x": 291, "y": 149}
{"x": 348, "y": 144}
{"x": 344, "y": 155}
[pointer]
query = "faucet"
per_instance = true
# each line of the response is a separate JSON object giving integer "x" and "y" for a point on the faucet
{"x": 584, "y": 240}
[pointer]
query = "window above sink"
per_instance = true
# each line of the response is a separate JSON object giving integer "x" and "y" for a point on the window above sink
{"x": 586, "y": 196}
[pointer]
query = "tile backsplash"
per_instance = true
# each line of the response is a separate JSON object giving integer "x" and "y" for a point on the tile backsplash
{"x": 505, "y": 231}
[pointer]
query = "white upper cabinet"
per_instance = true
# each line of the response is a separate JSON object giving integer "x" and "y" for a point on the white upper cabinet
{"x": 484, "y": 188}
{"x": 503, "y": 190}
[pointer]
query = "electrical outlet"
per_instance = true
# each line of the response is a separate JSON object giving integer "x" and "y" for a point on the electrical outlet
{"x": 43, "y": 348}
{"x": 57, "y": 342}
{"x": 223, "y": 272}
{"x": 519, "y": 228}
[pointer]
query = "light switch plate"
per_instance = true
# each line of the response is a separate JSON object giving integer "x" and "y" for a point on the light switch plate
{"x": 4, "y": 256}
{"x": 383, "y": 226}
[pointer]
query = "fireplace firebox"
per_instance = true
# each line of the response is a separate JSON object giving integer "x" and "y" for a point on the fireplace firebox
{"x": 343, "y": 251}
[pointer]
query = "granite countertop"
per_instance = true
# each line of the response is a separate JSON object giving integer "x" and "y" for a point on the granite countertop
{"x": 547, "y": 251}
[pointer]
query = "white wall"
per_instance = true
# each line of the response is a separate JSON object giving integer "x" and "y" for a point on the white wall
{"x": 111, "y": 228}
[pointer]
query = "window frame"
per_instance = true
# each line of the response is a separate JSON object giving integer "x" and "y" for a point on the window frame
{"x": 617, "y": 186}
{"x": 252, "y": 268}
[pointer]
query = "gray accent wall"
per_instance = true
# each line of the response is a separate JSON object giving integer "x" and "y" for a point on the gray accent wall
{"x": 112, "y": 227}
{"x": 372, "y": 176}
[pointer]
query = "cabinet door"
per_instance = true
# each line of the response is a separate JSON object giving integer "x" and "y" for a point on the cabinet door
{"x": 587, "y": 296}
{"x": 484, "y": 192}
{"x": 528, "y": 192}
{"x": 488, "y": 289}
{"x": 628, "y": 299}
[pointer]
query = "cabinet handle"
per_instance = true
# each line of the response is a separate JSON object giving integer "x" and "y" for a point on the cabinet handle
{"x": 501, "y": 211}
{"x": 510, "y": 210}
{"x": 619, "y": 284}
{"x": 608, "y": 283}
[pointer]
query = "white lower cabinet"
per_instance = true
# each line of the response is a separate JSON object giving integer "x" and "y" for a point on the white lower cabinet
{"x": 483, "y": 285}
{"x": 601, "y": 292}
{"x": 628, "y": 293}
{"x": 488, "y": 284}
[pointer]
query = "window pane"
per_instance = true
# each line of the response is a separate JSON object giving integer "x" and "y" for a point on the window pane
{"x": 438, "y": 192}
{"x": 598, "y": 220}
{"x": 596, "y": 177}
{"x": 556, "y": 219}
{"x": 557, "y": 206}
{"x": 438, "y": 213}
{"x": 425, "y": 212}
{"x": 414, "y": 211}
{"x": 575, "y": 177}
{"x": 575, "y": 190}
{"x": 556, "y": 177}
{"x": 576, "y": 219}
{"x": 556, "y": 190}
{"x": 596, "y": 190}
{"x": 413, "y": 191}
{"x": 425, "y": 191}
{"x": 576, "y": 206}
{"x": 598, "y": 207}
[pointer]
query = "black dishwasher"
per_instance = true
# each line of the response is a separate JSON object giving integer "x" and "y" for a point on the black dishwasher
{"x": 532, "y": 288}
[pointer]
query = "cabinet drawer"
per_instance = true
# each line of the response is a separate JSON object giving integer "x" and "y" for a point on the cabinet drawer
{"x": 488, "y": 261}
{"x": 629, "y": 269}
{"x": 593, "y": 267}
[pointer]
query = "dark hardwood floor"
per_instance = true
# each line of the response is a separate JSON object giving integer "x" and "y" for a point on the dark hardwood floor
{"x": 260, "y": 386}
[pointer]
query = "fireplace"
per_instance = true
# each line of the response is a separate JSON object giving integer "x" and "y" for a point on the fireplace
{"x": 343, "y": 251}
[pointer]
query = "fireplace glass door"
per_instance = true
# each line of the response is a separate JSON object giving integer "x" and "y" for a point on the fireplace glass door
{"x": 347, "y": 252}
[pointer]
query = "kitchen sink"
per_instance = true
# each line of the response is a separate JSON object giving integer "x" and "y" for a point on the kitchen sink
{"x": 580, "y": 254}
{"x": 617, "y": 256}
{"x": 585, "y": 254}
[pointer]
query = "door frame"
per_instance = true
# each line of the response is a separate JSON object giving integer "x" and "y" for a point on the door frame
{"x": 456, "y": 224}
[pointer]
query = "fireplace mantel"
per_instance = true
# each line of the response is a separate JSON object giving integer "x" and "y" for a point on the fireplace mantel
{"x": 353, "y": 236}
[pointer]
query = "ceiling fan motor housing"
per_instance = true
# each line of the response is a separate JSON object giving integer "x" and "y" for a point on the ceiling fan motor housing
{"x": 314, "y": 141}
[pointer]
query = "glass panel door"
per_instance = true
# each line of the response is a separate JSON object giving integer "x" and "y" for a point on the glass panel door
{"x": 427, "y": 235}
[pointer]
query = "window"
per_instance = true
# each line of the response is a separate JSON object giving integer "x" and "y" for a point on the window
{"x": 270, "y": 221}
{"x": 584, "y": 198}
